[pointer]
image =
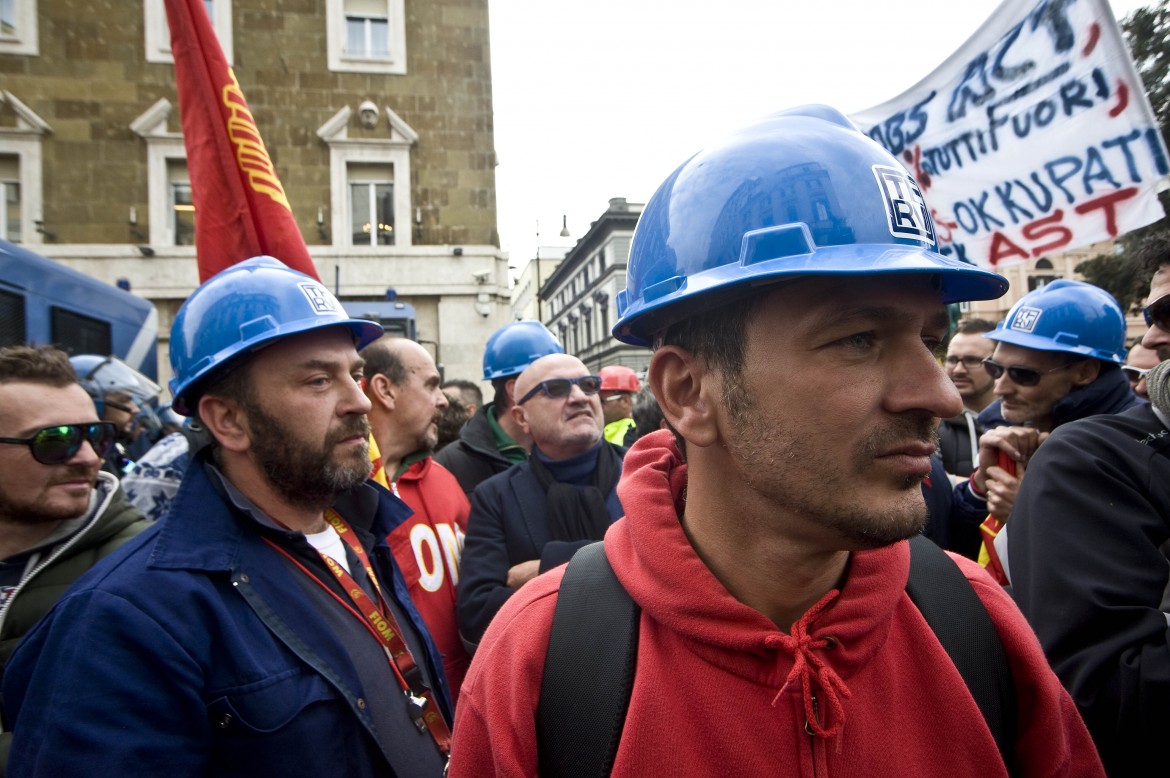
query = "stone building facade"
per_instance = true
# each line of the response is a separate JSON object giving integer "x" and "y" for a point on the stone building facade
{"x": 578, "y": 298}
{"x": 377, "y": 115}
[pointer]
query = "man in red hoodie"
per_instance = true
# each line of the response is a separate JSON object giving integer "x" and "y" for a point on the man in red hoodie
{"x": 790, "y": 284}
{"x": 402, "y": 383}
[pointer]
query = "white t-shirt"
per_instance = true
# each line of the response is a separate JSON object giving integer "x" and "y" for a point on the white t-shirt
{"x": 329, "y": 543}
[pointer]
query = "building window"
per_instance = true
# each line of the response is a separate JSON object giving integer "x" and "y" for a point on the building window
{"x": 20, "y": 170}
{"x": 602, "y": 301}
{"x": 367, "y": 36}
{"x": 364, "y": 201}
{"x": 168, "y": 185}
{"x": 10, "y": 198}
{"x": 182, "y": 207}
{"x": 371, "y": 205}
{"x": 158, "y": 33}
{"x": 18, "y": 27}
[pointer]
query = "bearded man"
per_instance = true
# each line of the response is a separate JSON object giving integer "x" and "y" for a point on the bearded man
{"x": 262, "y": 627}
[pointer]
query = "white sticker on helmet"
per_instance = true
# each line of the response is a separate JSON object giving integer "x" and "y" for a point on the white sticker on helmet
{"x": 906, "y": 211}
{"x": 1026, "y": 319}
{"x": 322, "y": 300}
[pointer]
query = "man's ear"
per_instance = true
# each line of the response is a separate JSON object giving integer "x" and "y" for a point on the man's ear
{"x": 521, "y": 417}
{"x": 382, "y": 390}
{"x": 1085, "y": 372}
{"x": 227, "y": 422}
{"x": 684, "y": 387}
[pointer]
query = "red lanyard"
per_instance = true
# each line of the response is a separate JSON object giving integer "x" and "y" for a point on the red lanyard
{"x": 379, "y": 621}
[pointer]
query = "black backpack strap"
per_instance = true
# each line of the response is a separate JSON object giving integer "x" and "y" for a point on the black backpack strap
{"x": 593, "y": 647}
{"x": 589, "y": 670}
{"x": 957, "y": 616}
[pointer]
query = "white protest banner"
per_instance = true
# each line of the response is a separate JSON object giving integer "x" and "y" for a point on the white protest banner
{"x": 1036, "y": 136}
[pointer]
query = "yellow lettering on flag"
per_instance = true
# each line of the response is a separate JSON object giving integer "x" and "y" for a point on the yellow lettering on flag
{"x": 251, "y": 155}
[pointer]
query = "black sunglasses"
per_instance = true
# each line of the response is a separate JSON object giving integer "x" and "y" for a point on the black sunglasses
{"x": 1135, "y": 374}
{"x": 1158, "y": 313}
{"x": 1023, "y": 376}
{"x": 562, "y": 387}
{"x": 58, "y": 444}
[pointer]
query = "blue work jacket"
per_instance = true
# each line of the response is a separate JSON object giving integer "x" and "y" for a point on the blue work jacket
{"x": 192, "y": 651}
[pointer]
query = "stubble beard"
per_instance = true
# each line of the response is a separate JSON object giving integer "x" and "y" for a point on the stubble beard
{"x": 787, "y": 469}
{"x": 38, "y": 512}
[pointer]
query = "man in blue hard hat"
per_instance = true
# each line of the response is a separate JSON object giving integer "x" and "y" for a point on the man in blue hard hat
{"x": 1090, "y": 538}
{"x": 1057, "y": 358}
{"x": 492, "y": 440}
{"x": 262, "y": 627}
{"x": 789, "y": 283}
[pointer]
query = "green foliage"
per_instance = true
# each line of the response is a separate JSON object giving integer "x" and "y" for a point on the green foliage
{"x": 1118, "y": 275}
{"x": 1147, "y": 31}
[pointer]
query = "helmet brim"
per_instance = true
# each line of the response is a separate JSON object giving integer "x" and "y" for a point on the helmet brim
{"x": 956, "y": 281}
{"x": 186, "y": 396}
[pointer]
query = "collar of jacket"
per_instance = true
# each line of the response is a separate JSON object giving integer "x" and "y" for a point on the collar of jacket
{"x": 204, "y": 533}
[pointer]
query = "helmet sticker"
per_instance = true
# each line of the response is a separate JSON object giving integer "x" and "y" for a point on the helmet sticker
{"x": 1026, "y": 319}
{"x": 322, "y": 300}
{"x": 906, "y": 211}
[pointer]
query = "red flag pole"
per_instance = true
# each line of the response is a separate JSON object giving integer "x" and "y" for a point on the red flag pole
{"x": 240, "y": 206}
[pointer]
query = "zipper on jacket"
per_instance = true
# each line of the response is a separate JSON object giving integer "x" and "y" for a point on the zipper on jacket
{"x": 54, "y": 555}
{"x": 812, "y": 737}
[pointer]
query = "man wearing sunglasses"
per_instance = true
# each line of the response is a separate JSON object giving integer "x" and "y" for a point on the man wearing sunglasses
{"x": 492, "y": 441}
{"x": 59, "y": 513}
{"x": 262, "y": 626}
{"x": 1138, "y": 363}
{"x": 536, "y": 515}
{"x": 1088, "y": 554}
{"x": 765, "y": 534}
{"x": 1057, "y": 358}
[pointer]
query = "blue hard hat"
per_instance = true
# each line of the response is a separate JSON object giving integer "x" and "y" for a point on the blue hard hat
{"x": 515, "y": 346}
{"x": 1067, "y": 316}
{"x": 802, "y": 192}
{"x": 241, "y": 307}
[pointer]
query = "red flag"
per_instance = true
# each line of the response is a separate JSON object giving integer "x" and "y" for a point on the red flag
{"x": 241, "y": 209}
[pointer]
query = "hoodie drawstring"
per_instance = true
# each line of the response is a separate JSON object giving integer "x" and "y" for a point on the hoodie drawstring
{"x": 807, "y": 666}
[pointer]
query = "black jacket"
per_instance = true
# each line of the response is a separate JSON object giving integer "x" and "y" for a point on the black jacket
{"x": 954, "y": 444}
{"x": 474, "y": 457}
{"x": 1089, "y": 570}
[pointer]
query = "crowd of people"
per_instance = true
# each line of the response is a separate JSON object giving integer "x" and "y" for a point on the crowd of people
{"x": 325, "y": 557}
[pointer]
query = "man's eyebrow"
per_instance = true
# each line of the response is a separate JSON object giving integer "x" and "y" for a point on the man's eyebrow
{"x": 891, "y": 314}
{"x": 330, "y": 364}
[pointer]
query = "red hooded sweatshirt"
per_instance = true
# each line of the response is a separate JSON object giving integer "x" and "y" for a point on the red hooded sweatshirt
{"x": 719, "y": 690}
{"x": 427, "y": 548}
